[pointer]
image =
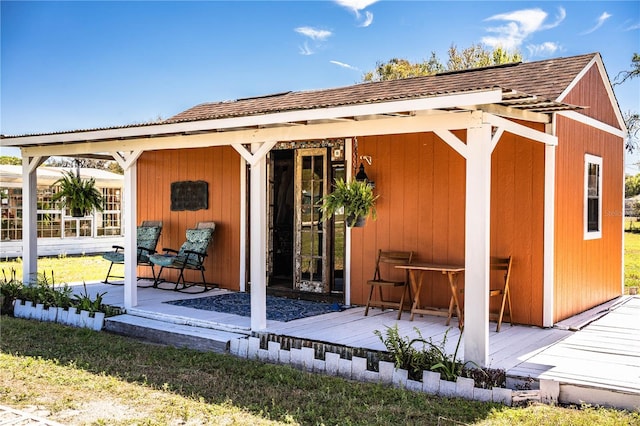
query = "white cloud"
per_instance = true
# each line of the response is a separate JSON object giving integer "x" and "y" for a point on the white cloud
{"x": 519, "y": 25}
{"x": 601, "y": 20}
{"x": 318, "y": 36}
{"x": 631, "y": 25}
{"x": 343, "y": 65}
{"x": 356, "y": 6}
{"x": 305, "y": 49}
{"x": 368, "y": 19}
{"x": 313, "y": 33}
{"x": 547, "y": 48}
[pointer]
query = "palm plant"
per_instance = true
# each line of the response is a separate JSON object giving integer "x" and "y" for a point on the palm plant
{"x": 80, "y": 195}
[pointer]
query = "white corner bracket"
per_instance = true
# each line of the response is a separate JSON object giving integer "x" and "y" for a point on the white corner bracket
{"x": 126, "y": 159}
{"x": 253, "y": 158}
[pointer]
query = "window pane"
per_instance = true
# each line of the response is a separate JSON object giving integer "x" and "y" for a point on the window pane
{"x": 594, "y": 175}
{"x": 593, "y": 219}
{"x": 593, "y": 195}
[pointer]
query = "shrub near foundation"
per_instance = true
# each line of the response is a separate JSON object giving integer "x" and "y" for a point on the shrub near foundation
{"x": 44, "y": 291}
{"x": 10, "y": 290}
{"x": 420, "y": 354}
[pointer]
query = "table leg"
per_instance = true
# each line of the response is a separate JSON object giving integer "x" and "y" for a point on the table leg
{"x": 454, "y": 293}
{"x": 416, "y": 286}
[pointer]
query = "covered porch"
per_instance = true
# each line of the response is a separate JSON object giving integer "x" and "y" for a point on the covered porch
{"x": 470, "y": 135}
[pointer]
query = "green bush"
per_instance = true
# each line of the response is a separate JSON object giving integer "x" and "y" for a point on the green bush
{"x": 10, "y": 290}
{"x": 44, "y": 291}
{"x": 420, "y": 354}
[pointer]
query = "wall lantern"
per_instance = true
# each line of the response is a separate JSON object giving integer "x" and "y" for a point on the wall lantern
{"x": 362, "y": 175}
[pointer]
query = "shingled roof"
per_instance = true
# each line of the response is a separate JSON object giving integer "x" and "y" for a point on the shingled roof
{"x": 534, "y": 86}
{"x": 530, "y": 86}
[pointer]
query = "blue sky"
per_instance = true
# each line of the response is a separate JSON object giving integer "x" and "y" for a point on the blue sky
{"x": 76, "y": 65}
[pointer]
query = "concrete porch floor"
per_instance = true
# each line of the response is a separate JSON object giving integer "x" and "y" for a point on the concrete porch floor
{"x": 595, "y": 356}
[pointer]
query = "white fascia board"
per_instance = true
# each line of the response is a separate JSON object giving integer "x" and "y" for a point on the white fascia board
{"x": 436, "y": 102}
{"x": 520, "y": 130}
{"x": 597, "y": 61}
{"x": 381, "y": 126}
{"x": 584, "y": 119}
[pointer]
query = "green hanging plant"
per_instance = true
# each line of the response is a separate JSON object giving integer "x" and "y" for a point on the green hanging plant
{"x": 80, "y": 195}
{"x": 355, "y": 197}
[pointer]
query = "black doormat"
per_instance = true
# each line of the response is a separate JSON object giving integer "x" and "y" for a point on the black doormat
{"x": 278, "y": 308}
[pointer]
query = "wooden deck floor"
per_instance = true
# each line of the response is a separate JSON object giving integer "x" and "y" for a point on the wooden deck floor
{"x": 603, "y": 354}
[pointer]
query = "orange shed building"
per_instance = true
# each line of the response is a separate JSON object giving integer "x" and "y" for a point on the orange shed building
{"x": 521, "y": 160}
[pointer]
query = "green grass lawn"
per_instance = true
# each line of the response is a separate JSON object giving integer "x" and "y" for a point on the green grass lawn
{"x": 631, "y": 259}
{"x": 67, "y": 269}
{"x": 79, "y": 376}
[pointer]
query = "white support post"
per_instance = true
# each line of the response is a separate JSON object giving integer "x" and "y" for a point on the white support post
{"x": 549, "y": 235}
{"x": 243, "y": 225}
{"x": 348, "y": 154}
{"x": 477, "y": 245}
{"x": 29, "y": 218}
{"x": 258, "y": 233}
{"x": 130, "y": 237}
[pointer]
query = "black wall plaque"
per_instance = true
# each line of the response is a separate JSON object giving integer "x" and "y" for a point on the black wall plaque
{"x": 189, "y": 195}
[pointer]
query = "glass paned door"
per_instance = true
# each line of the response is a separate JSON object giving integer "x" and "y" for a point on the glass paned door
{"x": 310, "y": 233}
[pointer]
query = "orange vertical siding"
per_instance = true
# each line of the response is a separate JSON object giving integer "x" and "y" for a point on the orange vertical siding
{"x": 587, "y": 272}
{"x": 517, "y": 222}
{"x": 591, "y": 93}
{"x": 421, "y": 183}
{"x": 418, "y": 178}
{"x": 220, "y": 168}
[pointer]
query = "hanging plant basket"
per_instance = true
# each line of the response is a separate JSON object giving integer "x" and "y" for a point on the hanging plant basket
{"x": 354, "y": 198}
{"x": 356, "y": 222}
{"x": 79, "y": 195}
{"x": 76, "y": 212}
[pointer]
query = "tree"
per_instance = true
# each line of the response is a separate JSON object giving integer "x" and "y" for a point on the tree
{"x": 633, "y": 73}
{"x": 631, "y": 119}
{"x": 474, "y": 56}
{"x": 631, "y": 186}
{"x": 111, "y": 166}
{"x": 12, "y": 161}
{"x": 396, "y": 69}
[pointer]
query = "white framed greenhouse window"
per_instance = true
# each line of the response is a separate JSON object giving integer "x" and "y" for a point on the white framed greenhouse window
{"x": 592, "y": 197}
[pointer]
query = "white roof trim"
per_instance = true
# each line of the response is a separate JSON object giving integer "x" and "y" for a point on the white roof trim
{"x": 589, "y": 121}
{"x": 435, "y": 102}
{"x": 382, "y": 126}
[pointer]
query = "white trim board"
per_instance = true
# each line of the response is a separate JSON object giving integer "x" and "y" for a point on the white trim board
{"x": 592, "y": 122}
{"x": 430, "y": 103}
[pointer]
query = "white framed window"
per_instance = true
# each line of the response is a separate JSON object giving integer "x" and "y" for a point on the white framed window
{"x": 592, "y": 197}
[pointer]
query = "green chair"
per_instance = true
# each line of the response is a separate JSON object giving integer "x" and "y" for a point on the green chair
{"x": 190, "y": 256}
{"x": 147, "y": 236}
